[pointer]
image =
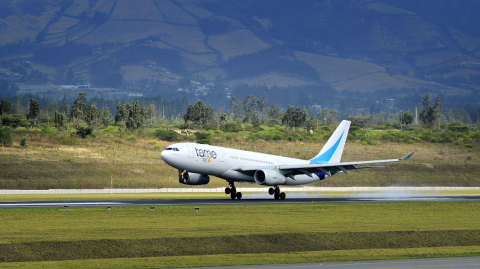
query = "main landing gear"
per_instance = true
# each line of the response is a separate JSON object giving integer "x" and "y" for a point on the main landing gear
{"x": 233, "y": 191}
{"x": 276, "y": 193}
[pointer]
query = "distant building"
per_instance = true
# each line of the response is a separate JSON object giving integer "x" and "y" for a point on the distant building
{"x": 315, "y": 107}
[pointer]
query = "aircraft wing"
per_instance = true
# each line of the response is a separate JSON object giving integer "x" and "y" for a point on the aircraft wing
{"x": 327, "y": 168}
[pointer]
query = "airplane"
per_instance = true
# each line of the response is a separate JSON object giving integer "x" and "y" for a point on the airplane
{"x": 196, "y": 162}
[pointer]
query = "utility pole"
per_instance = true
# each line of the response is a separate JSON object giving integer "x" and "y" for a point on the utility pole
{"x": 416, "y": 118}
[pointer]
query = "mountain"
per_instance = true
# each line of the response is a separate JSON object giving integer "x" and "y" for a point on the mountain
{"x": 346, "y": 45}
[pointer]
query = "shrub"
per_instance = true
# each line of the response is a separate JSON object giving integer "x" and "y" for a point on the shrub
{"x": 228, "y": 137}
{"x": 460, "y": 129}
{"x": 468, "y": 146}
{"x": 108, "y": 135}
{"x": 6, "y": 136}
{"x": 15, "y": 121}
{"x": 268, "y": 137}
{"x": 152, "y": 142}
{"x": 23, "y": 140}
{"x": 433, "y": 139}
{"x": 157, "y": 147}
{"x": 166, "y": 135}
{"x": 203, "y": 138}
{"x": 132, "y": 138}
{"x": 45, "y": 128}
{"x": 68, "y": 140}
{"x": 277, "y": 137}
{"x": 231, "y": 128}
{"x": 52, "y": 134}
{"x": 110, "y": 129}
{"x": 83, "y": 132}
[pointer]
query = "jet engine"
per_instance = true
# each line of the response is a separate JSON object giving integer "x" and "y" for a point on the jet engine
{"x": 188, "y": 178}
{"x": 269, "y": 177}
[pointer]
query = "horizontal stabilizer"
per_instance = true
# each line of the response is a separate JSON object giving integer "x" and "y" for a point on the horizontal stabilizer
{"x": 407, "y": 156}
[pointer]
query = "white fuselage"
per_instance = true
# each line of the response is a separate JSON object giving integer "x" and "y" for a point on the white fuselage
{"x": 219, "y": 162}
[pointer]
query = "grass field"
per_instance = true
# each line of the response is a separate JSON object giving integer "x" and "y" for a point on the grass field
{"x": 57, "y": 161}
{"x": 228, "y": 235}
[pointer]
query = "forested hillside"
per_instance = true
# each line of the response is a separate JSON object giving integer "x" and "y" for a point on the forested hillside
{"x": 175, "y": 48}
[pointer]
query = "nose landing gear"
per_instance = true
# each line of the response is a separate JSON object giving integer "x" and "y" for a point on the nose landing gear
{"x": 233, "y": 192}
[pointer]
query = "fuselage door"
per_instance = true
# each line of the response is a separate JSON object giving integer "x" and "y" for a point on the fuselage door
{"x": 190, "y": 151}
{"x": 221, "y": 156}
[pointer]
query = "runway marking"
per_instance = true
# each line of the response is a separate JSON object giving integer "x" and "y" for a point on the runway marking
{"x": 66, "y": 203}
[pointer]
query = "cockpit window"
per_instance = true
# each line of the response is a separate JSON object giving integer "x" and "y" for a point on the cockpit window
{"x": 175, "y": 149}
{"x": 168, "y": 149}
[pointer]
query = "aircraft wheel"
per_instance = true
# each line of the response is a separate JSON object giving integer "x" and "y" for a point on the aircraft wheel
{"x": 276, "y": 196}
{"x": 233, "y": 195}
{"x": 277, "y": 191}
{"x": 282, "y": 196}
{"x": 271, "y": 191}
{"x": 227, "y": 190}
{"x": 239, "y": 195}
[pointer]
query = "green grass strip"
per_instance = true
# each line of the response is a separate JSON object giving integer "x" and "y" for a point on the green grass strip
{"x": 241, "y": 244}
{"x": 262, "y": 258}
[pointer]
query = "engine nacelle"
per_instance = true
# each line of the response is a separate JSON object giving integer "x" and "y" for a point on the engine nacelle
{"x": 193, "y": 179}
{"x": 269, "y": 177}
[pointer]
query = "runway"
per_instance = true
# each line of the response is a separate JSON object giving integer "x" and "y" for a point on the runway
{"x": 460, "y": 262}
{"x": 227, "y": 201}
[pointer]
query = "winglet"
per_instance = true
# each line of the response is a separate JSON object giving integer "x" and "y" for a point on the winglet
{"x": 407, "y": 156}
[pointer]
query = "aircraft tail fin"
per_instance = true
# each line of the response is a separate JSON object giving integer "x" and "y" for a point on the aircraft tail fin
{"x": 333, "y": 149}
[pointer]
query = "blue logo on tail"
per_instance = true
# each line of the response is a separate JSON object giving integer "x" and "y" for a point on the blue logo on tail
{"x": 327, "y": 155}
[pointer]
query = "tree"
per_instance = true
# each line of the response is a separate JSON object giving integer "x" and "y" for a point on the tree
{"x": 235, "y": 106}
{"x": 59, "y": 119}
{"x": 429, "y": 112}
{"x": 136, "y": 116}
{"x": 360, "y": 120}
{"x": 6, "y": 136}
{"x": 200, "y": 114}
{"x": 328, "y": 116}
{"x": 93, "y": 116}
{"x": 406, "y": 117}
{"x": 275, "y": 114}
{"x": 77, "y": 111}
{"x": 287, "y": 118}
{"x": 250, "y": 106}
{"x": 5, "y": 107}
{"x": 121, "y": 114}
{"x": 33, "y": 111}
{"x": 105, "y": 117}
{"x": 264, "y": 106}
{"x": 297, "y": 117}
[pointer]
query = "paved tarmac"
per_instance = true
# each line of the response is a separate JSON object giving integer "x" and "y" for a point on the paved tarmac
{"x": 227, "y": 201}
{"x": 460, "y": 262}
